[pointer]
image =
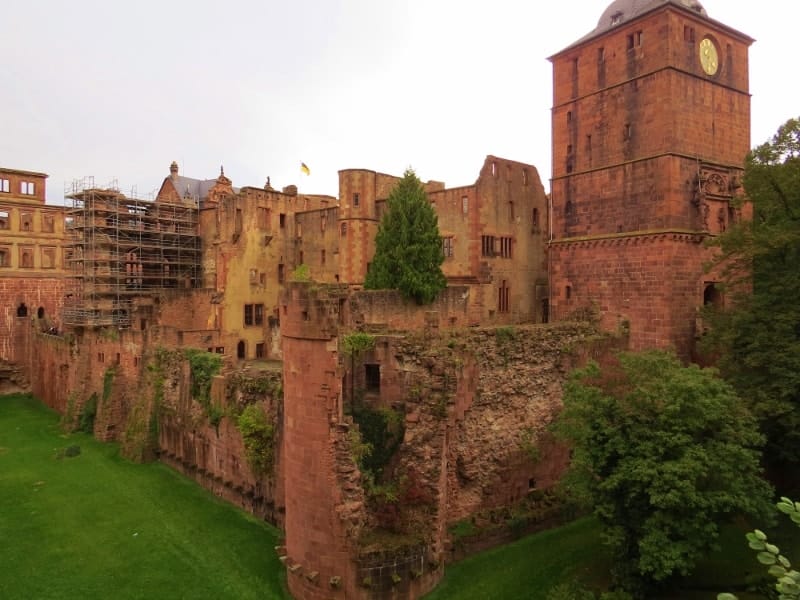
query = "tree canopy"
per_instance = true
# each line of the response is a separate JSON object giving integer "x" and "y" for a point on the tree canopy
{"x": 664, "y": 454}
{"x": 408, "y": 247}
{"x": 756, "y": 337}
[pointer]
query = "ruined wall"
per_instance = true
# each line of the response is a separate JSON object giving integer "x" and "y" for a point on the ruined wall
{"x": 318, "y": 243}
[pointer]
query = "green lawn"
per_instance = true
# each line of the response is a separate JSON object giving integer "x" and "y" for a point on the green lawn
{"x": 97, "y": 526}
{"x": 528, "y": 568}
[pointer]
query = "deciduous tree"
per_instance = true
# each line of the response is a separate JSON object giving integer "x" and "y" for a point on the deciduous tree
{"x": 408, "y": 247}
{"x": 756, "y": 336}
{"x": 663, "y": 453}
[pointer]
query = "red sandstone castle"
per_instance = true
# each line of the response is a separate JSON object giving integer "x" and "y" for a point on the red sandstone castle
{"x": 650, "y": 131}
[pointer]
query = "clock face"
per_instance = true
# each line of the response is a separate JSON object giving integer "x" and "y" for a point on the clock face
{"x": 709, "y": 58}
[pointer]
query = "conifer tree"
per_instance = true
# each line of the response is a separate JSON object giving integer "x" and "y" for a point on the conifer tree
{"x": 408, "y": 247}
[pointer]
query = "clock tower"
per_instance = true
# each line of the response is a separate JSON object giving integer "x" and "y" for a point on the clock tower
{"x": 651, "y": 126}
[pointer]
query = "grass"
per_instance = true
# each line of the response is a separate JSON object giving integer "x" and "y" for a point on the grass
{"x": 97, "y": 526}
{"x": 528, "y": 568}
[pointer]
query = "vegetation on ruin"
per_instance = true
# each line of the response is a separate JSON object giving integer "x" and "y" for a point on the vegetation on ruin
{"x": 756, "y": 337}
{"x": 258, "y": 435}
{"x": 357, "y": 342}
{"x": 382, "y": 429}
{"x": 94, "y": 524}
{"x": 408, "y": 247}
{"x": 203, "y": 367}
{"x": 301, "y": 274}
{"x": 663, "y": 454}
{"x": 87, "y": 414}
{"x": 108, "y": 382}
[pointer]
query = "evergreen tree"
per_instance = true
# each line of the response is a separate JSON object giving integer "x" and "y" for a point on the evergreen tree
{"x": 756, "y": 338}
{"x": 408, "y": 247}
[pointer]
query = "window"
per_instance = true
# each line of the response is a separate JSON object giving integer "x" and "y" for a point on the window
{"x": 301, "y": 258}
{"x": 22, "y": 310}
{"x": 281, "y": 273}
{"x": 568, "y": 292}
{"x": 344, "y": 229}
{"x": 4, "y": 258}
{"x": 26, "y": 258}
{"x": 27, "y": 188}
{"x": 494, "y": 169}
{"x": 322, "y": 257}
{"x": 48, "y": 258}
{"x": 4, "y": 219}
{"x": 635, "y": 40}
{"x": 248, "y": 315}
{"x": 688, "y": 34}
{"x": 569, "y": 116}
{"x": 505, "y": 247}
{"x": 511, "y": 215}
{"x": 626, "y": 133}
{"x": 487, "y": 245}
{"x": 524, "y": 176}
{"x": 263, "y": 218}
{"x": 282, "y": 220}
{"x": 535, "y": 220}
{"x": 323, "y": 222}
{"x": 240, "y": 350}
{"x": 101, "y": 357}
{"x": 502, "y": 297}
{"x": 601, "y": 55}
{"x": 465, "y": 204}
{"x": 616, "y": 18}
{"x": 258, "y": 310}
{"x": 4, "y": 187}
{"x": 48, "y": 223}
{"x": 219, "y": 350}
{"x": 356, "y": 199}
{"x": 260, "y": 350}
{"x": 447, "y": 247}
{"x": 372, "y": 376}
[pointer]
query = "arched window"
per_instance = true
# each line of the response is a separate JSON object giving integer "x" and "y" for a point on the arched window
{"x": 22, "y": 310}
{"x": 40, "y": 313}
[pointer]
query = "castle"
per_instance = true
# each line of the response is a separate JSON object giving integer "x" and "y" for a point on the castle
{"x": 650, "y": 130}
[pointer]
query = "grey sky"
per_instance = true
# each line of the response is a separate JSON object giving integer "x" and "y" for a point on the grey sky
{"x": 120, "y": 89}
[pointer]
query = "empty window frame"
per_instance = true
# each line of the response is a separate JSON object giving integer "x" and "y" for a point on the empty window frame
{"x": 506, "y": 245}
{"x": 4, "y": 185}
{"x": 48, "y": 223}
{"x": 487, "y": 246}
{"x": 447, "y": 246}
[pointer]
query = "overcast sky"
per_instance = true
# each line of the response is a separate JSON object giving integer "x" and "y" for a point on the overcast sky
{"x": 118, "y": 90}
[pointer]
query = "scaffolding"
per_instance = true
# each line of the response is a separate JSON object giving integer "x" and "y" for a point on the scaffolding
{"x": 122, "y": 253}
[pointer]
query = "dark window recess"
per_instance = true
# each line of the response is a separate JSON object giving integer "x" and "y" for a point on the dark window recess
{"x": 356, "y": 199}
{"x": 22, "y": 310}
{"x": 282, "y": 220}
{"x": 260, "y": 350}
{"x": 240, "y": 349}
{"x": 372, "y": 375}
{"x": 258, "y": 314}
{"x": 502, "y": 297}
{"x": 248, "y": 315}
{"x": 280, "y": 273}
{"x": 505, "y": 247}
{"x": 487, "y": 245}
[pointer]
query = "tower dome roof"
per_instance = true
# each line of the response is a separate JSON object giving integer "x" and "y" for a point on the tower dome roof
{"x": 622, "y": 11}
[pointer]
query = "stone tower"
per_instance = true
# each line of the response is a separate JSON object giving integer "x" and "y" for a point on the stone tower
{"x": 651, "y": 125}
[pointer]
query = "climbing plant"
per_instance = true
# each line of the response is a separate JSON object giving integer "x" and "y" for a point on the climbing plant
{"x": 204, "y": 366}
{"x": 108, "y": 382}
{"x": 258, "y": 435}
